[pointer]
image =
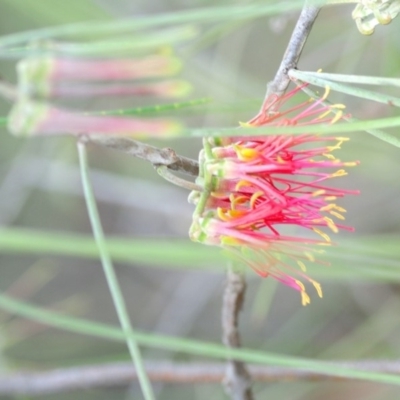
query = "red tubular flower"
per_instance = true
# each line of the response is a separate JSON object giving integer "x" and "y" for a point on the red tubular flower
{"x": 54, "y": 77}
{"x": 29, "y": 118}
{"x": 65, "y": 69}
{"x": 258, "y": 186}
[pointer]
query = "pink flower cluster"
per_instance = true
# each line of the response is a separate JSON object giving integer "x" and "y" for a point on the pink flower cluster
{"x": 262, "y": 194}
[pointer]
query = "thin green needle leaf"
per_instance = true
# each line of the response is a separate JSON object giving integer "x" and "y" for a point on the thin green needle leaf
{"x": 116, "y": 45}
{"x": 151, "y": 40}
{"x": 187, "y": 346}
{"x": 366, "y": 125}
{"x": 165, "y": 253}
{"x": 353, "y": 91}
{"x": 110, "y": 274}
{"x": 195, "y": 104}
{"x": 386, "y": 137}
{"x": 369, "y": 128}
{"x": 202, "y": 15}
{"x": 157, "y": 109}
{"x": 367, "y": 259}
{"x": 191, "y": 106}
{"x": 357, "y": 79}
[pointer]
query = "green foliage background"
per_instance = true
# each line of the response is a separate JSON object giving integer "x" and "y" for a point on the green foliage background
{"x": 173, "y": 287}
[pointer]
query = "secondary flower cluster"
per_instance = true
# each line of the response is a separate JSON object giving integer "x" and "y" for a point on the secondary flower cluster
{"x": 370, "y": 13}
{"x": 41, "y": 78}
{"x": 263, "y": 193}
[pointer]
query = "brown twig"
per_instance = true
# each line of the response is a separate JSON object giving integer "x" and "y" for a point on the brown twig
{"x": 293, "y": 50}
{"x": 121, "y": 374}
{"x": 152, "y": 154}
{"x": 237, "y": 380}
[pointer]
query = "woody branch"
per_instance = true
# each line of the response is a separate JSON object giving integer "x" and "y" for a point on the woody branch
{"x": 122, "y": 374}
{"x": 237, "y": 378}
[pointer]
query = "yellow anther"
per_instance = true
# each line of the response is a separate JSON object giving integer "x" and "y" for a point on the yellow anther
{"x": 239, "y": 199}
{"x": 218, "y": 195}
{"x": 333, "y": 206}
{"x": 305, "y": 298}
{"x": 337, "y": 117}
{"x": 302, "y": 265}
{"x": 246, "y": 125}
{"x": 324, "y": 114}
{"x": 338, "y": 144}
{"x": 309, "y": 256}
{"x": 280, "y": 160}
{"x": 230, "y": 241}
{"x": 322, "y": 234}
{"x": 327, "y": 207}
{"x": 236, "y": 213}
{"x": 326, "y": 94}
{"x": 240, "y": 184}
{"x": 300, "y": 285}
{"x": 221, "y": 212}
{"x": 254, "y": 197}
{"x": 318, "y": 193}
{"x": 338, "y": 106}
{"x": 329, "y": 156}
{"x": 337, "y": 215}
{"x": 340, "y": 172}
{"x": 331, "y": 225}
{"x": 330, "y": 198}
{"x": 317, "y": 287}
{"x": 335, "y": 147}
{"x": 228, "y": 215}
{"x": 350, "y": 164}
{"x": 245, "y": 154}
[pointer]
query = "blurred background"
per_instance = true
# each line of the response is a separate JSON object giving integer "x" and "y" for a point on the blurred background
{"x": 229, "y": 62}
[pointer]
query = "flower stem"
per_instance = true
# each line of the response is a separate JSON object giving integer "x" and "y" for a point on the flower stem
{"x": 293, "y": 51}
